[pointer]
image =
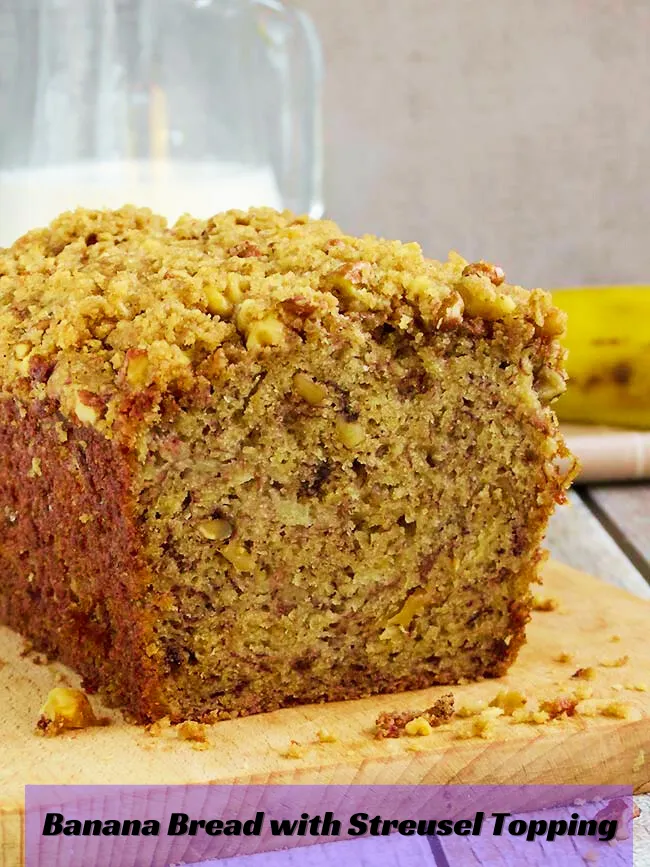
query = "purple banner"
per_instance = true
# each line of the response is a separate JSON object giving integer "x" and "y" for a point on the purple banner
{"x": 317, "y": 826}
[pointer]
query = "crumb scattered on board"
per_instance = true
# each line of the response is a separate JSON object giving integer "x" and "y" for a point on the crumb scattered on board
{"x": 588, "y": 673}
{"x": 325, "y": 737}
{"x": 295, "y": 750}
{"x": 195, "y": 732}
{"x": 481, "y": 726}
{"x": 392, "y": 724}
{"x": 545, "y": 603}
{"x": 67, "y": 709}
{"x": 619, "y": 662}
{"x": 509, "y": 700}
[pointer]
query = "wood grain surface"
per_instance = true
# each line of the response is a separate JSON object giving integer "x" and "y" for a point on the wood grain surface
{"x": 577, "y": 750}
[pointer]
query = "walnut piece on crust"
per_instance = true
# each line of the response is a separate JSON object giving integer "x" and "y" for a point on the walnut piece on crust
{"x": 393, "y": 724}
{"x": 66, "y": 708}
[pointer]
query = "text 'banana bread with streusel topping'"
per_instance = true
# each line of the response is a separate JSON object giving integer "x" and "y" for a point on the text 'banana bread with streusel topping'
{"x": 249, "y": 462}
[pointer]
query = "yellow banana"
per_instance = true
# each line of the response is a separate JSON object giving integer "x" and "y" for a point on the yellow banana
{"x": 608, "y": 338}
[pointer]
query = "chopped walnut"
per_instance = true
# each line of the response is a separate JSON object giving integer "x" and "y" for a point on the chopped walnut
{"x": 245, "y": 250}
{"x": 481, "y": 726}
{"x": 159, "y": 727}
{"x": 494, "y": 273}
{"x": 584, "y": 673}
{"x": 66, "y": 708}
{"x": 350, "y": 433}
{"x": 35, "y": 469}
{"x": 312, "y": 392}
{"x": 509, "y": 701}
{"x": 558, "y": 707}
{"x": 603, "y": 707}
{"x": 614, "y": 663}
{"x": 545, "y": 603}
{"x": 418, "y": 727}
{"x": 192, "y": 731}
{"x": 392, "y": 725}
{"x": 326, "y": 737}
{"x": 295, "y": 750}
{"x": 617, "y": 710}
{"x": 216, "y": 530}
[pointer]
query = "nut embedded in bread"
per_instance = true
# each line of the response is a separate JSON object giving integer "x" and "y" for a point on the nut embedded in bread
{"x": 277, "y": 464}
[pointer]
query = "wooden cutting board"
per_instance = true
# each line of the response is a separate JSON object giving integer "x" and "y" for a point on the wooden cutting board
{"x": 609, "y": 454}
{"x": 589, "y": 619}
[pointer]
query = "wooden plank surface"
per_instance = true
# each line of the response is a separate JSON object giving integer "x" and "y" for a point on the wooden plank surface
{"x": 625, "y": 511}
{"x": 576, "y": 537}
{"x": 585, "y": 750}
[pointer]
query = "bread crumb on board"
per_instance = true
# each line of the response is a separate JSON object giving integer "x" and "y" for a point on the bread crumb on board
{"x": 607, "y": 708}
{"x": 564, "y": 705}
{"x": 67, "y": 709}
{"x": 324, "y": 736}
{"x": 295, "y": 750}
{"x": 159, "y": 727}
{"x": 509, "y": 701}
{"x": 195, "y": 732}
{"x": 471, "y": 708}
{"x": 563, "y": 657}
{"x": 418, "y": 727}
{"x": 619, "y": 662}
{"x": 588, "y": 673}
{"x": 545, "y": 603}
{"x": 481, "y": 726}
{"x": 392, "y": 724}
{"x": 530, "y": 717}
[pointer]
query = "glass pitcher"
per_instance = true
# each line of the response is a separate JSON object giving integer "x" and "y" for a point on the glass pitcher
{"x": 180, "y": 105}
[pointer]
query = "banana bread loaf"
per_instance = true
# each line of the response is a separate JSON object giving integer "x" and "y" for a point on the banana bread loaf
{"x": 251, "y": 462}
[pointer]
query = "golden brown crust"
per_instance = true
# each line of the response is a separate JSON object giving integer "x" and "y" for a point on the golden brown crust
{"x": 73, "y": 577}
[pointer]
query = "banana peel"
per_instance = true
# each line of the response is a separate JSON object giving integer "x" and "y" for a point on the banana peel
{"x": 608, "y": 342}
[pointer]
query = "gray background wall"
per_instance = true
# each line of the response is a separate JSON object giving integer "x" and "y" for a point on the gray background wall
{"x": 512, "y": 130}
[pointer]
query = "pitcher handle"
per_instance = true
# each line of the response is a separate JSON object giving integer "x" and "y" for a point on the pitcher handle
{"x": 294, "y": 50}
